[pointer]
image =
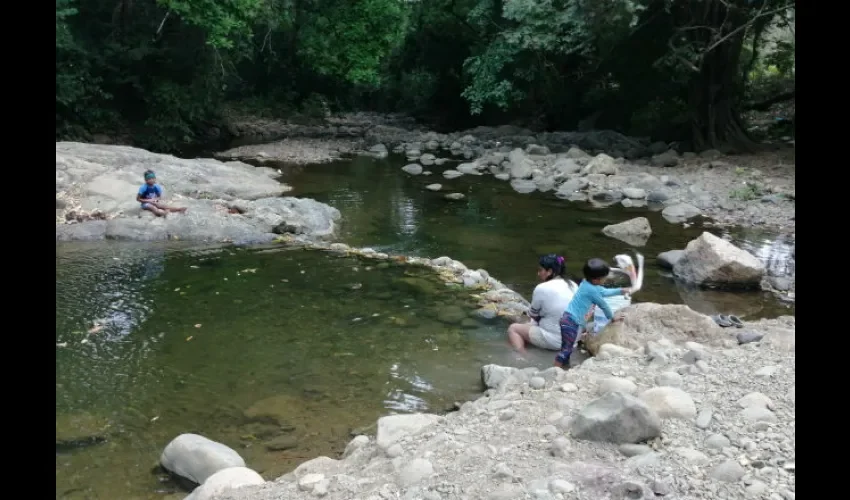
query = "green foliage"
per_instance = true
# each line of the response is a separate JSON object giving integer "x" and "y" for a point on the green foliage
{"x": 350, "y": 40}
{"x": 163, "y": 72}
{"x": 748, "y": 192}
{"x": 222, "y": 20}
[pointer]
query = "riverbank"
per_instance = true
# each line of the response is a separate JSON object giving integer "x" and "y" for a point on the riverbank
{"x": 746, "y": 190}
{"x": 684, "y": 420}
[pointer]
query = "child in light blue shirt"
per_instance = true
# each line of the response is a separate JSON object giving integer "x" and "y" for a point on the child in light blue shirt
{"x": 589, "y": 293}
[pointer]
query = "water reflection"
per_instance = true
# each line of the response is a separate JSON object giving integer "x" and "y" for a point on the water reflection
{"x": 775, "y": 251}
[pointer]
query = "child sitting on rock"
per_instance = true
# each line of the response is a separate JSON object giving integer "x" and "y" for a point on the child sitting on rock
{"x": 149, "y": 195}
{"x": 589, "y": 293}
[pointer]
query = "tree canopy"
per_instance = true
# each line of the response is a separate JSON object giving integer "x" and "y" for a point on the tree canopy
{"x": 167, "y": 71}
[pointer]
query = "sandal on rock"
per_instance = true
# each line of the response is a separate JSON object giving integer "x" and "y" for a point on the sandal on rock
{"x": 735, "y": 321}
{"x": 722, "y": 320}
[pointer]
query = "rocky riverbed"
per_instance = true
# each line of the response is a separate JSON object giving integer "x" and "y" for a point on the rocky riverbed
{"x": 96, "y": 187}
{"x": 672, "y": 418}
{"x": 601, "y": 167}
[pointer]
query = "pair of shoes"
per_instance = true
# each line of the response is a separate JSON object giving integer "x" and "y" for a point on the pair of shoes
{"x": 727, "y": 321}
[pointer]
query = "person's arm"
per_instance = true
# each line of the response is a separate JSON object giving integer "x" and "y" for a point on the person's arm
{"x": 610, "y": 292}
{"x": 158, "y": 189}
{"x": 140, "y": 194}
{"x": 598, "y": 298}
{"x": 536, "y": 304}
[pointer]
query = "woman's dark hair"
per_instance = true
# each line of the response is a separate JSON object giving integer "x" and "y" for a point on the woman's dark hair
{"x": 595, "y": 269}
{"x": 555, "y": 263}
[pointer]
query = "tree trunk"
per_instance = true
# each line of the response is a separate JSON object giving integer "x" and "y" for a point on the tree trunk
{"x": 716, "y": 89}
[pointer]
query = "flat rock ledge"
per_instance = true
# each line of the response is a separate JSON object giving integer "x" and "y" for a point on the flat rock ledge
{"x": 96, "y": 187}
{"x": 669, "y": 419}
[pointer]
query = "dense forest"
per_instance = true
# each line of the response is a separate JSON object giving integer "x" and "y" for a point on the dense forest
{"x": 168, "y": 73}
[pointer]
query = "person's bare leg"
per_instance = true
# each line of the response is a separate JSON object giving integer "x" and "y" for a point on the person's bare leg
{"x": 518, "y": 336}
{"x": 169, "y": 209}
{"x": 153, "y": 208}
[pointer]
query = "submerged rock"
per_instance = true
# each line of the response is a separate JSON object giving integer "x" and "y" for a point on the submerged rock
{"x": 633, "y": 231}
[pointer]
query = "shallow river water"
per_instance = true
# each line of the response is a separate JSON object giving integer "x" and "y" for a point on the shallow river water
{"x": 281, "y": 354}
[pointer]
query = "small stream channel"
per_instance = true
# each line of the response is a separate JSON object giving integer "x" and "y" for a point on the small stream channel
{"x": 281, "y": 354}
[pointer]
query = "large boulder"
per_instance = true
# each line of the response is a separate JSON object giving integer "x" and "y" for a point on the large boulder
{"x": 223, "y": 480}
{"x": 648, "y": 321}
{"x": 226, "y": 201}
{"x": 196, "y": 458}
{"x": 635, "y": 231}
{"x": 616, "y": 417}
{"x": 712, "y": 261}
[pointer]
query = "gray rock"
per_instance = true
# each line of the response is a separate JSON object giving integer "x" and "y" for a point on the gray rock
{"x": 196, "y": 458}
{"x": 413, "y": 169}
{"x": 669, "y": 379}
{"x": 523, "y": 186}
{"x": 537, "y": 382}
{"x": 454, "y": 196}
{"x": 451, "y": 174}
{"x": 616, "y": 418}
{"x": 703, "y": 419}
{"x": 634, "y": 193}
{"x": 415, "y": 471}
{"x": 392, "y": 428}
{"x": 494, "y": 376}
{"x": 680, "y": 212}
{"x": 659, "y": 487}
{"x": 669, "y": 258}
{"x": 729, "y": 471}
{"x": 427, "y": 159}
{"x": 468, "y": 169}
{"x": 670, "y": 402}
{"x": 223, "y": 480}
{"x": 601, "y": 164}
{"x": 633, "y": 231}
{"x": 616, "y": 384}
{"x": 717, "y": 442}
{"x": 709, "y": 260}
{"x": 758, "y": 414}
{"x": 666, "y": 159}
{"x": 633, "y": 450}
{"x": 434, "y": 187}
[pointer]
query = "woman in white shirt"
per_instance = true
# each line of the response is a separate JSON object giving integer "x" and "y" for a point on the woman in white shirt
{"x": 548, "y": 302}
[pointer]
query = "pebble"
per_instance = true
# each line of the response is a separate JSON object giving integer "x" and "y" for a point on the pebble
{"x": 756, "y": 488}
{"x": 561, "y": 486}
{"x": 309, "y": 481}
{"x": 704, "y": 419}
{"x": 669, "y": 379}
{"x": 568, "y": 387}
{"x": 415, "y": 471}
{"x": 767, "y": 371}
{"x": 633, "y": 450}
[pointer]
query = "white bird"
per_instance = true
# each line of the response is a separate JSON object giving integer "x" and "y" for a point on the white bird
{"x": 625, "y": 266}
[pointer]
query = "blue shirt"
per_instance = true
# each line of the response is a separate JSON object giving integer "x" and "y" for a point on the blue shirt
{"x": 149, "y": 192}
{"x": 586, "y": 296}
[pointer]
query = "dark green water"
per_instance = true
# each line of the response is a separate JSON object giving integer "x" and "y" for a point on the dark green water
{"x": 325, "y": 343}
{"x": 504, "y": 232}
